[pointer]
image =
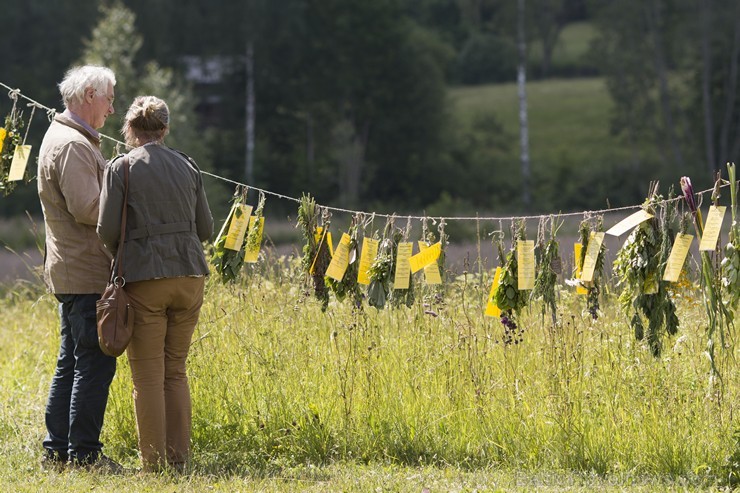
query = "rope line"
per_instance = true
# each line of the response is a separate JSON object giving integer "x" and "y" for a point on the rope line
{"x": 13, "y": 94}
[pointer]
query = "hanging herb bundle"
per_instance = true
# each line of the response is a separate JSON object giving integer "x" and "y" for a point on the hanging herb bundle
{"x": 397, "y": 296}
{"x": 640, "y": 265}
{"x": 228, "y": 262}
{"x": 509, "y": 299}
{"x": 382, "y": 270}
{"x": 593, "y": 287}
{"x": 10, "y": 137}
{"x": 549, "y": 267}
{"x": 253, "y": 236}
{"x": 348, "y": 286}
{"x": 731, "y": 261}
{"x": 316, "y": 255}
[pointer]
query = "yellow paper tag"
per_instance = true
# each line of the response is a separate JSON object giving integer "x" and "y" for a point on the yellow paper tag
{"x": 592, "y": 254}
{"x": 431, "y": 271}
{"x": 253, "y": 253}
{"x": 577, "y": 249}
{"x": 425, "y": 257}
{"x": 340, "y": 260}
{"x": 677, "y": 257}
{"x": 628, "y": 223}
{"x": 492, "y": 309}
{"x": 238, "y": 226}
{"x": 712, "y": 228}
{"x": 369, "y": 252}
{"x": 403, "y": 268}
{"x": 525, "y": 264}
{"x": 18, "y": 165}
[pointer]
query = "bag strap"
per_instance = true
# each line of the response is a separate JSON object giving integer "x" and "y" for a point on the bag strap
{"x": 122, "y": 238}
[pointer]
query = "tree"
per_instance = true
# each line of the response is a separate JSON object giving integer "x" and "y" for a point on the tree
{"x": 115, "y": 43}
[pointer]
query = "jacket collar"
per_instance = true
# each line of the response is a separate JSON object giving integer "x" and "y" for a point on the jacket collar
{"x": 66, "y": 119}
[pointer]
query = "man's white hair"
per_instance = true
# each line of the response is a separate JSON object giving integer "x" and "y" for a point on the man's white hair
{"x": 78, "y": 79}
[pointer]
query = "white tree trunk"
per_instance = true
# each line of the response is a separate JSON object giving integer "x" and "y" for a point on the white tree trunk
{"x": 522, "y": 91}
{"x": 249, "y": 158}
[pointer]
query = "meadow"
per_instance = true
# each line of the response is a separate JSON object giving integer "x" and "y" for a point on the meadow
{"x": 428, "y": 398}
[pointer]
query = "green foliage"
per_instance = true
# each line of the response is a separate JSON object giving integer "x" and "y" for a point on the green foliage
{"x": 586, "y": 230}
{"x": 316, "y": 255}
{"x": 549, "y": 267}
{"x": 508, "y": 297}
{"x": 10, "y": 137}
{"x": 228, "y": 262}
{"x": 640, "y": 265}
{"x": 115, "y": 43}
{"x": 486, "y": 58}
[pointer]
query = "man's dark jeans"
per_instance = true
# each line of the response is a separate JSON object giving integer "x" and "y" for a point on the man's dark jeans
{"x": 79, "y": 389}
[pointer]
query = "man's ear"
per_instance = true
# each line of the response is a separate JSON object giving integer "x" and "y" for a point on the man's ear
{"x": 89, "y": 94}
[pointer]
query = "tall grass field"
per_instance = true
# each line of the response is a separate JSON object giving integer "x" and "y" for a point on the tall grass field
{"x": 424, "y": 399}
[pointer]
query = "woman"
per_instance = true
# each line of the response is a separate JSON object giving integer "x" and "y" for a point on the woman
{"x": 164, "y": 267}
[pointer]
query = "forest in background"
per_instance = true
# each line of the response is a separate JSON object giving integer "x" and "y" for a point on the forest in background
{"x": 358, "y": 102}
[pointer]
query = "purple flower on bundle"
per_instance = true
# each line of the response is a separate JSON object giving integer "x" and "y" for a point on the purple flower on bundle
{"x": 688, "y": 193}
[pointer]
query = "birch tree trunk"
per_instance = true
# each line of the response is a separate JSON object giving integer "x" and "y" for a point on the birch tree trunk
{"x": 725, "y": 145}
{"x": 250, "y": 114}
{"x": 522, "y": 92}
{"x": 706, "y": 97}
{"x": 655, "y": 26}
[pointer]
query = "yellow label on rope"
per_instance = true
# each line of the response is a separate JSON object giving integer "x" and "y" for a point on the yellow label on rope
{"x": 238, "y": 226}
{"x": 253, "y": 252}
{"x": 425, "y": 257}
{"x": 431, "y": 271}
{"x": 367, "y": 257}
{"x": 403, "y": 268}
{"x": 525, "y": 264}
{"x": 592, "y": 254}
{"x": 18, "y": 165}
{"x": 628, "y": 223}
{"x": 678, "y": 255}
{"x": 340, "y": 260}
{"x": 492, "y": 309}
{"x": 712, "y": 228}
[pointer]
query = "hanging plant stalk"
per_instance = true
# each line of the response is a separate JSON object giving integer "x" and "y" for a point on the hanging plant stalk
{"x": 594, "y": 286}
{"x": 509, "y": 299}
{"x": 731, "y": 262}
{"x": 253, "y": 236}
{"x": 10, "y": 138}
{"x": 549, "y": 267}
{"x": 639, "y": 266}
{"x": 348, "y": 286}
{"x": 316, "y": 256}
{"x": 382, "y": 270}
{"x": 228, "y": 262}
{"x": 719, "y": 317}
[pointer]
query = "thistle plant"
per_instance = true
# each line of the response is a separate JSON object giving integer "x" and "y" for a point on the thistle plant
{"x": 383, "y": 268}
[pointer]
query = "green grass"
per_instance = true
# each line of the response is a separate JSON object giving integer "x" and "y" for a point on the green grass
{"x": 574, "y": 156}
{"x": 572, "y": 46}
{"x": 288, "y": 398}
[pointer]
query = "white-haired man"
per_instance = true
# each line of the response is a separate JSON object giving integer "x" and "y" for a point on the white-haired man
{"x": 76, "y": 267}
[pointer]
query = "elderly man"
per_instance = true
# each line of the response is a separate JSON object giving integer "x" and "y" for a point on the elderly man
{"x": 76, "y": 267}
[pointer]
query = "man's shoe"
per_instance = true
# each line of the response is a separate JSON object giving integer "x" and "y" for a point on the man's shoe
{"x": 53, "y": 461}
{"x": 100, "y": 463}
